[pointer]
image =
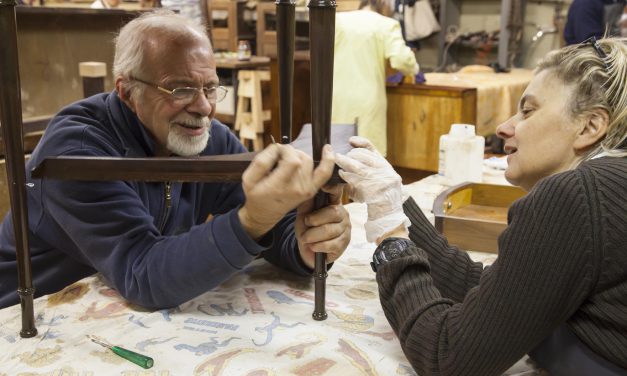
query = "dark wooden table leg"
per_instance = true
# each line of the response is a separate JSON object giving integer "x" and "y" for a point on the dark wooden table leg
{"x": 11, "y": 120}
{"x": 322, "y": 38}
{"x": 286, "y": 29}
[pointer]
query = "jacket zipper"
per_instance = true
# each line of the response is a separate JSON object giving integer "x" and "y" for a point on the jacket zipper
{"x": 168, "y": 204}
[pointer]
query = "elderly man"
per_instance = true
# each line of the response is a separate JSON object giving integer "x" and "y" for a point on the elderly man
{"x": 152, "y": 241}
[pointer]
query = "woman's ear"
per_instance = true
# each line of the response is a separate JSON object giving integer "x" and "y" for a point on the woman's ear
{"x": 593, "y": 131}
{"x": 124, "y": 93}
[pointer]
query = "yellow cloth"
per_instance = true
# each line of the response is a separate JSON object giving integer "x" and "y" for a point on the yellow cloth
{"x": 497, "y": 93}
{"x": 363, "y": 41}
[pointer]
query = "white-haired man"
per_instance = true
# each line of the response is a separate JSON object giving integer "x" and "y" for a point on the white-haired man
{"x": 152, "y": 241}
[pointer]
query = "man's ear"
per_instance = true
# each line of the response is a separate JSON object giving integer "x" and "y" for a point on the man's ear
{"x": 124, "y": 93}
{"x": 593, "y": 131}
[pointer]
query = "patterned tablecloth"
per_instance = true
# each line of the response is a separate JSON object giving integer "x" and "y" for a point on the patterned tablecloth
{"x": 497, "y": 93}
{"x": 257, "y": 323}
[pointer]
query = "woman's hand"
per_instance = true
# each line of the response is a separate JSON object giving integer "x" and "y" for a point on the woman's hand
{"x": 372, "y": 180}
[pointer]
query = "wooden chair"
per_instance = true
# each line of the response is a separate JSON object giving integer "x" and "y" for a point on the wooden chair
{"x": 151, "y": 169}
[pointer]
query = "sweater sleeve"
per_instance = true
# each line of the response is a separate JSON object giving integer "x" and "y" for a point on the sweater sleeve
{"x": 452, "y": 270}
{"x": 547, "y": 266}
{"x": 401, "y": 57}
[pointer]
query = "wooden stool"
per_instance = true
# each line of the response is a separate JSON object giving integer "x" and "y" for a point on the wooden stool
{"x": 250, "y": 115}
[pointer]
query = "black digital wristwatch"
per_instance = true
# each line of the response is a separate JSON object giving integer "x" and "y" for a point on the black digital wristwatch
{"x": 388, "y": 250}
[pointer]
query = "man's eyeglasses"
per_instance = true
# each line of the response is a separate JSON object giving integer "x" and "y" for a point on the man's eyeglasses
{"x": 186, "y": 95}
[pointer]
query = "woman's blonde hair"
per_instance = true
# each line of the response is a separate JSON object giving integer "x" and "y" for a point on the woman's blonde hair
{"x": 597, "y": 69}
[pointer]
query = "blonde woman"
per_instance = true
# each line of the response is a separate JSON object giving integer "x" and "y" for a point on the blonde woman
{"x": 558, "y": 290}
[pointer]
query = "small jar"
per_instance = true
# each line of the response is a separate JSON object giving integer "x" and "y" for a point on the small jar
{"x": 243, "y": 50}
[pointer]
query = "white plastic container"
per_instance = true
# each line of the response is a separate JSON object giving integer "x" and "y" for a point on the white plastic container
{"x": 442, "y": 155}
{"x": 462, "y": 152}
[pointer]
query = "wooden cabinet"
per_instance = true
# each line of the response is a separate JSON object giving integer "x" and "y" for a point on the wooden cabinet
{"x": 51, "y": 44}
{"x": 418, "y": 115}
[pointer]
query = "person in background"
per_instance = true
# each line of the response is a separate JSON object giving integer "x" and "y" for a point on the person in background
{"x": 593, "y": 18}
{"x": 364, "y": 40}
{"x": 558, "y": 289}
{"x": 153, "y": 242}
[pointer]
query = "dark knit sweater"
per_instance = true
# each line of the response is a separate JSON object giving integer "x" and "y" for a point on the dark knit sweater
{"x": 562, "y": 258}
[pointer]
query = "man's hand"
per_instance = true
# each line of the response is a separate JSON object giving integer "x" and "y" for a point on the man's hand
{"x": 325, "y": 230}
{"x": 372, "y": 180}
{"x": 278, "y": 180}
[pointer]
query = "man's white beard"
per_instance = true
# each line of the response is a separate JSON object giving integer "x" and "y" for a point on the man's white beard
{"x": 185, "y": 146}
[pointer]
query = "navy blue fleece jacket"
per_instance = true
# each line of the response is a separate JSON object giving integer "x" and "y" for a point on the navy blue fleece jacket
{"x": 153, "y": 256}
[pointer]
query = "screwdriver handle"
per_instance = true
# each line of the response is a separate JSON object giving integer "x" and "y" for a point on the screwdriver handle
{"x": 139, "y": 359}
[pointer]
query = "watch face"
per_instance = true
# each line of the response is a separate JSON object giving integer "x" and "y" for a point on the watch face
{"x": 395, "y": 246}
{"x": 389, "y": 250}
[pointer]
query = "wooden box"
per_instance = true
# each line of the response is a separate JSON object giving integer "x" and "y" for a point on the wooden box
{"x": 473, "y": 215}
{"x": 418, "y": 115}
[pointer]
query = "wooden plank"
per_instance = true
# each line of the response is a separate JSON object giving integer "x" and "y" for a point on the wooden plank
{"x": 220, "y": 168}
{"x": 223, "y": 168}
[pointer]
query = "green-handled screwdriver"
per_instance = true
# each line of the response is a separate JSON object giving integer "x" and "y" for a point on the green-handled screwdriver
{"x": 139, "y": 359}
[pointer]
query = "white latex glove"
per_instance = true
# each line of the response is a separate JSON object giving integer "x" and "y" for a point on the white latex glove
{"x": 372, "y": 180}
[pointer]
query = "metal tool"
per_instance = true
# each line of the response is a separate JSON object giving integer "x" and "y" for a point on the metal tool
{"x": 139, "y": 359}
